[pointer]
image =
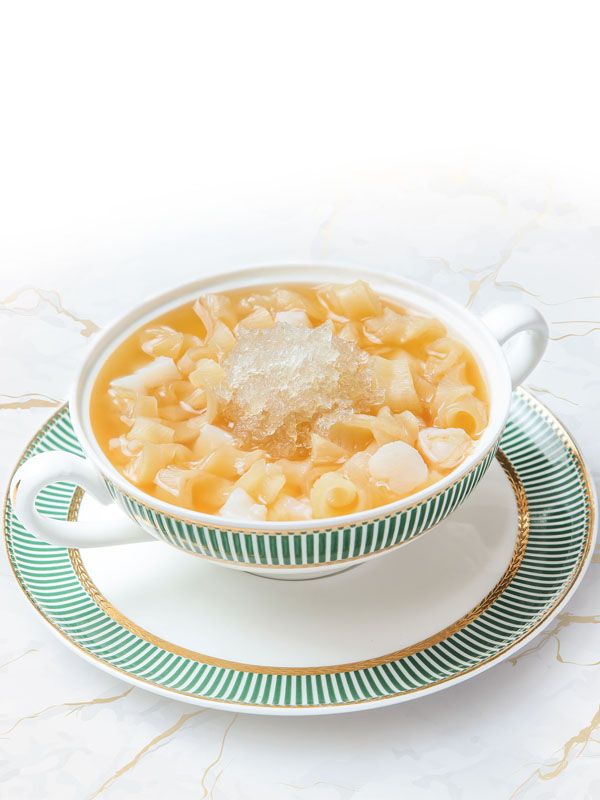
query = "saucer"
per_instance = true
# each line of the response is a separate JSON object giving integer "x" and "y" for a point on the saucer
{"x": 430, "y": 614}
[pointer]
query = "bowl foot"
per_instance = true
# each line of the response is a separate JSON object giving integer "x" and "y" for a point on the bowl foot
{"x": 300, "y": 575}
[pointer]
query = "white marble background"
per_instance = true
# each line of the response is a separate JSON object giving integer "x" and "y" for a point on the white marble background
{"x": 144, "y": 148}
{"x": 527, "y": 728}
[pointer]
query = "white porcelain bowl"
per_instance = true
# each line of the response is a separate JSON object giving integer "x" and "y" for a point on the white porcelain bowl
{"x": 283, "y": 548}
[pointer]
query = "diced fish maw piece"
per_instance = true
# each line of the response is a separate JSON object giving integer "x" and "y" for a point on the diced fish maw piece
{"x": 210, "y": 438}
{"x": 159, "y": 371}
{"x": 299, "y": 318}
{"x": 288, "y": 509}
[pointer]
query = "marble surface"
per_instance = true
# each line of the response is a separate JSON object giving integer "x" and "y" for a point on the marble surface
{"x": 145, "y": 142}
{"x": 530, "y": 727}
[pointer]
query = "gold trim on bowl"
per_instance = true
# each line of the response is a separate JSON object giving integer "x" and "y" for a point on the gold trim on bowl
{"x": 374, "y": 520}
{"x": 519, "y": 551}
{"x": 309, "y": 530}
{"x": 560, "y": 431}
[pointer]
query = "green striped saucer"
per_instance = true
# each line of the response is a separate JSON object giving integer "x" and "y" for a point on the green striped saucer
{"x": 435, "y": 612}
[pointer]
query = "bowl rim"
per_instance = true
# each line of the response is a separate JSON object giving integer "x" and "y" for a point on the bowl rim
{"x": 151, "y": 307}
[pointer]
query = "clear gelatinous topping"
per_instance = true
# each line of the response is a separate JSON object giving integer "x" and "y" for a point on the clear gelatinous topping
{"x": 281, "y": 381}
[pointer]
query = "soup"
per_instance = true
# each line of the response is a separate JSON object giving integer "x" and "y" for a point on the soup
{"x": 286, "y": 403}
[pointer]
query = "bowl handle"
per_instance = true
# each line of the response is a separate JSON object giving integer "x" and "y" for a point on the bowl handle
{"x": 46, "y": 468}
{"x": 531, "y": 334}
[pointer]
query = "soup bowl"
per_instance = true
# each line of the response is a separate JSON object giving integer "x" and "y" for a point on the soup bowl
{"x": 507, "y": 342}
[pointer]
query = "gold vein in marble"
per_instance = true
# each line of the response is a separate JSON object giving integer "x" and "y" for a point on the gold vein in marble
{"x": 216, "y": 780}
{"x": 322, "y": 242}
{"x": 183, "y": 719}
{"x": 579, "y": 740}
{"x": 493, "y": 271}
{"x": 73, "y": 706}
{"x": 543, "y": 390}
{"x": 575, "y": 322}
{"x": 52, "y": 298}
{"x": 19, "y": 657}
{"x": 217, "y": 759}
{"x": 29, "y": 400}
{"x": 582, "y": 738}
{"x": 575, "y": 334}
{"x": 563, "y": 621}
{"x": 559, "y": 657}
{"x": 520, "y": 288}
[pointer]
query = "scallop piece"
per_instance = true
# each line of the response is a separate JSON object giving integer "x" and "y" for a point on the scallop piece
{"x": 444, "y": 448}
{"x": 399, "y": 466}
{"x": 239, "y": 505}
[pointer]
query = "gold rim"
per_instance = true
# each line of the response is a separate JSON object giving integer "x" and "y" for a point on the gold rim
{"x": 559, "y": 430}
{"x": 312, "y": 530}
{"x": 517, "y": 556}
{"x": 325, "y": 529}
